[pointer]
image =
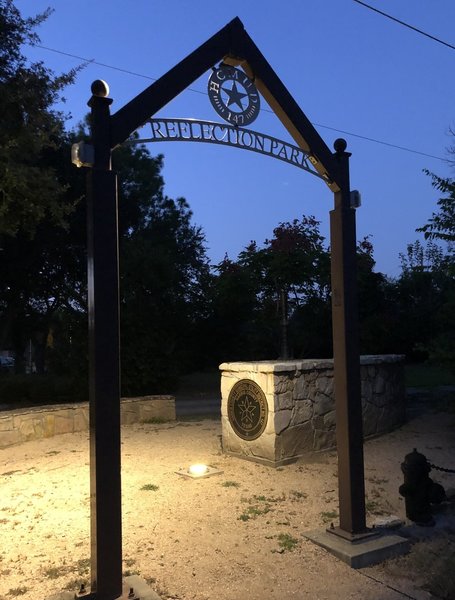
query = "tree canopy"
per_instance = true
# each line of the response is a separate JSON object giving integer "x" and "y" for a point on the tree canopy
{"x": 178, "y": 313}
{"x": 30, "y": 130}
{"x": 441, "y": 225}
{"x": 43, "y": 236}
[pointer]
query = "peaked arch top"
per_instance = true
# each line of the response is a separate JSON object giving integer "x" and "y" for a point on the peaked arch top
{"x": 234, "y": 46}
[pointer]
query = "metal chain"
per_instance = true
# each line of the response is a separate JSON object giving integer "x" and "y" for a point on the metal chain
{"x": 441, "y": 469}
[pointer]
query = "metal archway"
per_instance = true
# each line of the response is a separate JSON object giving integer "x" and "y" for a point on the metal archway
{"x": 234, "y": 46}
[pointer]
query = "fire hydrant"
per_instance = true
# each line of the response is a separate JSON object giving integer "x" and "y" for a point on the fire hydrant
{"x": 419, "y": 490}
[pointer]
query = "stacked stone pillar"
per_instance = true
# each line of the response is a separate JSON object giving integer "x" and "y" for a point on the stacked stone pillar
{"x": 301, "y": 407}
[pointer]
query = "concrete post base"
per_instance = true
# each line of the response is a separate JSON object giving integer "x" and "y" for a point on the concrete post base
{"x": 362, "y": 553}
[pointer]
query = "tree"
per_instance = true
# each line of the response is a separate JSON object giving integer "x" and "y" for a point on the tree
{"x": 378, "y": 313}
{"x": 290, "y": 268}
{"x": 296, "y": 275}
{"x": 423, "y": 291}
{"x": 441, "y": 225}
{"x": 293, "y": 260}
{"x": 43, "y": 231}
{"x": 164, "y": 271}
{"x": 33, "y": 194}
{"x": 231, "y": 331}
{"x": 30, "y": 129}
{"x": 440, "y": 344}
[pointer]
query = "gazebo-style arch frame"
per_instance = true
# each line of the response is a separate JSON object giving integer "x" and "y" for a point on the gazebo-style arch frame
{"x": 234, "y": 46}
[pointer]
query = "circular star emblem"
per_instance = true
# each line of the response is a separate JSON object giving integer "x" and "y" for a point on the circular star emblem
{"x": 233, "y": 95}
{"x": 247, "y": 409}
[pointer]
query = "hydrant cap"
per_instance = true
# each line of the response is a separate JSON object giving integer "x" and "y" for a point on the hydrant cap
{"x": 415, "y": 459}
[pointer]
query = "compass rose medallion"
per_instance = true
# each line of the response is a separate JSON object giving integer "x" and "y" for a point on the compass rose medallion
{"x": 247, "y": 409}
{"x": 233, "y": 95}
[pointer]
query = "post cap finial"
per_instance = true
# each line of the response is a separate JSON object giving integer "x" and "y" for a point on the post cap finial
{"x": 340, "y": 145}
{"x": 100, "y": 88}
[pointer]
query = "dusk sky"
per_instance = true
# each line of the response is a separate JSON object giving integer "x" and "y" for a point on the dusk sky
{"x": 354, "y": 73}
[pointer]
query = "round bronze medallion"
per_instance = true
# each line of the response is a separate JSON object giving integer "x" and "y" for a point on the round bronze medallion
{"x": 247, "y": 409}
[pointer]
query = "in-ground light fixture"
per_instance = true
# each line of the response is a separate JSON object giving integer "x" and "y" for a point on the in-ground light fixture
{"x": 198, "y": 471}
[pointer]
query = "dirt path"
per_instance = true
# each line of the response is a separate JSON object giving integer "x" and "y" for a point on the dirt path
{"x": 233, "y": 536}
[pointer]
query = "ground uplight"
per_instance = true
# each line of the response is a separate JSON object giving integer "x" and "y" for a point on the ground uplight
{"x": 198, "y": 471}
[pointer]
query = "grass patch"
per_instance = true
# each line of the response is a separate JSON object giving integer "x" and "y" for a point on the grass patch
{"x": 19, "y": 591}
{"x": 56, "y": 572}
{"x": 74, "y": 584}
{"x": 129, "y": 562}
{"x": 129, "y": 572}
{"x": 255, "y": 509}
{"x": 427, "y": 376}
{"x": 251, "y": 512}
{"x": 155, "y": 421}
{"x": 374, "y": 508}
{"x": 286, "y": 523}
{"x": 287, "y": 542}
{"x": 269, "y": 498}
{"x": 377, "y": 480}
{"x": 229, "y": 483}
{"x": 150, "y": 487}
{"x": 80, "y": 568}
{"x": 83, "y": 566}
{"x": 297, "y": 495}
{"x": 328, "y": 516}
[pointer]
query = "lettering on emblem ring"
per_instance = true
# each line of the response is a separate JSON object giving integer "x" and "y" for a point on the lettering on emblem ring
{"x": 233, "y": 95}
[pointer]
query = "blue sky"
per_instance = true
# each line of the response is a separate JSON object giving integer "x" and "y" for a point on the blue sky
{"x": 348, "y": 68}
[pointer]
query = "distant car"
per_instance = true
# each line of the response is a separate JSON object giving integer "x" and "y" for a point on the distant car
{"x": 6, "y": 363}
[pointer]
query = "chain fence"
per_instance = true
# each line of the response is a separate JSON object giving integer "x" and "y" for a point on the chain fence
{"x": 436, "y": 468}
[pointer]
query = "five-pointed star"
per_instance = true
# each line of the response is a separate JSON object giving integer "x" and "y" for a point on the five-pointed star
{"x": 235, "y": 97}
{"x": 247, "y": 409}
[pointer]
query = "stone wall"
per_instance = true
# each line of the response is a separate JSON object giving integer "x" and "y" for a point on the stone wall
{"x": 301, "y": 405}
{"x": 22, "y": 425}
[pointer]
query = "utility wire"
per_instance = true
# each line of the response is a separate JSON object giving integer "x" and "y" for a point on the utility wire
{"x": 432, "y": 37}
{"x": 92, "y": 61}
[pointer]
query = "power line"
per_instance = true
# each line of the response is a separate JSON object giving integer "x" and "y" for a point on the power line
{"x": 92, "y": 61}
{"x": 432, "y": 37}
{"x": 369, "y": 139}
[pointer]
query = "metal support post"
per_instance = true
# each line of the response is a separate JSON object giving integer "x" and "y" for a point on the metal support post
{"x": 351, "y": 485}
{"x": 104, "y": 353}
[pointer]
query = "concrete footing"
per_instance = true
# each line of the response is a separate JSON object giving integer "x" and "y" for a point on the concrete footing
{"x": 364, "y": 552}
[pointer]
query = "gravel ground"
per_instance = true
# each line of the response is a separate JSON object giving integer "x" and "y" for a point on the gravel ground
{"x": 234, "y": 536}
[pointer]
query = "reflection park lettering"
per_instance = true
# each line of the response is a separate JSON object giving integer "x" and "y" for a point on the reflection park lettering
{"x": 192, "y": 130}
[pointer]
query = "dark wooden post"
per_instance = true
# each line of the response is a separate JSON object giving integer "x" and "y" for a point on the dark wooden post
{"x": 351, "y": 486}
{"x": 103, "y": 310}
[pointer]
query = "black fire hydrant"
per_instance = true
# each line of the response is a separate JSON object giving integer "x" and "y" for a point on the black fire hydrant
{"x": 419, "y": 490}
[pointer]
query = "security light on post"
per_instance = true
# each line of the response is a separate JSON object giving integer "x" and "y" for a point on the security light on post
{"x": 82, "y": 154}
